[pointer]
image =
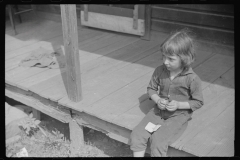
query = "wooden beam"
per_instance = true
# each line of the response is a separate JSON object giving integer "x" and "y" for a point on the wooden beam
{"x": 147, "y": 22}
{"x": 70, "y": 37}
{"x": 43, "y": 105}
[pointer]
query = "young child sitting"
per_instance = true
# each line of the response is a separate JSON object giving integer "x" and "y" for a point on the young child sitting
{"x": 176, "y": 90}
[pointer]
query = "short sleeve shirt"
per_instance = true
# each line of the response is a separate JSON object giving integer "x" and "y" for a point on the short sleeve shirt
{"x": 185, "y": 87}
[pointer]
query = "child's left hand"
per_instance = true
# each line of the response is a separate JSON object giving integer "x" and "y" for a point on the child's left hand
{"x": 172, "y": 106}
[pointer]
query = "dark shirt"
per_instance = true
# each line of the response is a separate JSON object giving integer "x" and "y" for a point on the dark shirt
{"x": 185, "y": 87}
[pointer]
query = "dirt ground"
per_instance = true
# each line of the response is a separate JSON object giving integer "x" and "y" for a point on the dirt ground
{"x": 93, "y": 139}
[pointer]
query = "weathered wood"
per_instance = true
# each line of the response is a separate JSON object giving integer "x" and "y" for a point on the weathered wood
{"x": 85, "y": 6}
{"x": 76, "y": 136}
{"x": 36, "y": 102}
{"x": 216, "y": 106}
{"x": 23, "y": 29}
{"x": 47, "y": 89}
{"x": 44, "y": 33}
{"x": 22, "y": 73}
{"x": 111, "y": 78}
{"x": 60, "y": 84}
{"x": 11, "y": 14}
{"x": 70, "y": 36}
{"x": 147, "y": 22}
{"x": 84, "y": 58}
{"x": 36, "y": 114}
{"x": 56, "y": 42}
{"x": 204, "y": 33}
{"x": 112, "y": 130}
{"x": 219, "y": 128}
{"x": 115, "y": 10}
{"x": 118, "y": 23}
{"x": 227, "y": 9}
{"x": 190, "y": 16}
{"x": 226, "y": 149}
{"x": 135, "y": 17}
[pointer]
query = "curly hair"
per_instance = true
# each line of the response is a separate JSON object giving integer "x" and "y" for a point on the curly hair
{"x": 180, "y": 43}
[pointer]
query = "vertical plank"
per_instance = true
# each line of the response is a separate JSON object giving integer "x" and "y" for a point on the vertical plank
{"x": 85, "y": 12}
{"x": 147, "y": 22}
{"x": 70, "y": 36}
{"x": 36, "y": 114}
{"x": 135, "y": 17}
{"x": 76, "y": 136}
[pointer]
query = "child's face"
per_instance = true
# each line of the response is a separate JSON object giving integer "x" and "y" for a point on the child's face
{"x": 173, "y": 63}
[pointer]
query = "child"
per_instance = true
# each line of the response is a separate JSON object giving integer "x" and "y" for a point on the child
{"x": 178, "y": 96}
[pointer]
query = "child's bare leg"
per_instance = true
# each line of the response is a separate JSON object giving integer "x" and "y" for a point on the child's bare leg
{"x": 139, "y": 154}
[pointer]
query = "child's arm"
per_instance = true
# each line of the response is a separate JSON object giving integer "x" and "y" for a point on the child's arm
{"x": 153, "y": 88}
{"x": 196, "y": 100}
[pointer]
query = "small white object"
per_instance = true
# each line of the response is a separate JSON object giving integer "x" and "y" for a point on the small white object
{"x": 23, "y": 153}
{"x": 150, "y": 127}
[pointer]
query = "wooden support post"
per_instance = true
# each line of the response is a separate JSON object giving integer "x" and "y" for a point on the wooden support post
{"x": 10, "y": 11}
{"x": 70, "y": 37}
{"x": 147, "y": 20}
{"x": 135, "y": 17}
{"x": 76, "y": 136}
{"x": 36, "y": 114}
{"x": 85, "y": 6}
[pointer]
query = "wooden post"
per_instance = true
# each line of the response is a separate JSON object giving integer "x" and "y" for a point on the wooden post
{"x": 70, "y": 37}
{"x": 76, "y": 136}
{"x": 147, "y": 20}
{"x": 36, "y": 114}
{"x": 135, "y": 17}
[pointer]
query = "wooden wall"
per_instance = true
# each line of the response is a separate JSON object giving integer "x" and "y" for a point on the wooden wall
{"x": 209, "y": 22}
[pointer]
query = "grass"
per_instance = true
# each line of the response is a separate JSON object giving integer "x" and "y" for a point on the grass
{"x": 52, "y": 145}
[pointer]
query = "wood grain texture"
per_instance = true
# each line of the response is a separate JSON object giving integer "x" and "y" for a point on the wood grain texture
{"x": 43, "y": 33}
{"x": 120, "y": 56}
{"x": 70, "y": 38}
{"x": 217, "y": 97}
{"x": 110, "y": 22}
{"x": 38, "y": 103}
{"x": 227, "y": 9}
{"x": 210, "y": 137}
{"x": 202, "y": 32}
{"x": 226, "y": 148}
{"x": 193, "y": 17}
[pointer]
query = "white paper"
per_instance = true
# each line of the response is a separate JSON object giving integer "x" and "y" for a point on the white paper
{"x": 150, "y": 127}
{"x": 23, "y": 153}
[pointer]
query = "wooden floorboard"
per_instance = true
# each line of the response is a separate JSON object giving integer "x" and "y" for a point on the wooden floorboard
{"x": 224, "y": 148}
{"x": 121, "y": 56}
{"x": 86, "y": 82}
{"x": 22, "y": 29}
{"x": 218, "y": 91}
{"x": 210, "y": 136}
{"x": 27, "y": 83}
{"x": 17, "y": 74}
{"x": 35, "y": 88}
{"x": 56, "y": 42}
{"x": 42, "y": 34}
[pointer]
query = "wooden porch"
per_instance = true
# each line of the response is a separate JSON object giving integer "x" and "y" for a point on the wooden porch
{"x": 115, "y": 71}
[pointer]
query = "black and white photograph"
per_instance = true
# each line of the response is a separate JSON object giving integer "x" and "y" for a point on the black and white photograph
{"x": 119, "y": 80}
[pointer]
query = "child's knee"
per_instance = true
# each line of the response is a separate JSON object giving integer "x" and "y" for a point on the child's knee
{"x": 134, "y": 137}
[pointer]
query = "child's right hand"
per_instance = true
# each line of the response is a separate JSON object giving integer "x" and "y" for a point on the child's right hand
{"x": 162, "y": 103}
